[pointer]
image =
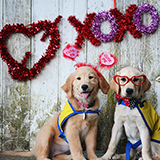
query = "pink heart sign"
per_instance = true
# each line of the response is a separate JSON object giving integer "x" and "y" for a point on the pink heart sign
{"x": 107, "y": 60}
{"x": 70, "y": 52}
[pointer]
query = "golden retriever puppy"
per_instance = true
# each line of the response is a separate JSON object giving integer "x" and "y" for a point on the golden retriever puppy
{"x": 136, "y": 114}
{"x": 61, "y": 137}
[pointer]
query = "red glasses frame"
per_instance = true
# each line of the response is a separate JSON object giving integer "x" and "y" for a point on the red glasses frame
{"x": 129, "y": 79}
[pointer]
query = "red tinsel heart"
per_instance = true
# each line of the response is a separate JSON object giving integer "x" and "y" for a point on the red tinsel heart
{"x": 19, "y": 71}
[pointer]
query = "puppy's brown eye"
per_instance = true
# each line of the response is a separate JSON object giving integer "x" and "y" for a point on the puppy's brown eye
{"x": 135, "y": 79}
{"x": 90, "y": 77}
{"x": 123, "y": 79}
{"x": 78, "y": 78}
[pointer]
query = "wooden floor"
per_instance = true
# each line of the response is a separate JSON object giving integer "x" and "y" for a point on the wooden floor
{"x": 99, "y": 154}
{"x": 16, "y": 158}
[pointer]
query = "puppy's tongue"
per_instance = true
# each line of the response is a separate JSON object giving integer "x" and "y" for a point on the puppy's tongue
{"x": 85, "y": 95}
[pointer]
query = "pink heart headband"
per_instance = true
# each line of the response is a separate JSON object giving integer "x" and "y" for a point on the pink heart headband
{"x": 106, "y": 60}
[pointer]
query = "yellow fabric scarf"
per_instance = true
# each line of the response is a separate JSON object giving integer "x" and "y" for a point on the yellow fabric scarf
{"x": 151, "y": 119}
{"x": 66, "y": 113}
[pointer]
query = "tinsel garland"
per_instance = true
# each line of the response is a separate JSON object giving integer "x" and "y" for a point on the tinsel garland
{"x": 125, "y": 22}
{"x": 19, "y": 71}
{"x": 89, "y": 29}
{"x": 147, "y": 30}
{"x": 99, "y": 18}
{"x": 84, "y": 30}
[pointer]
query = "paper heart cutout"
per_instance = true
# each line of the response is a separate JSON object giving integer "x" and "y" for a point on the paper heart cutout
{"x": 19, "y": 71}
{"x": 107, "y": 60}
{"x": 70, "y": 51}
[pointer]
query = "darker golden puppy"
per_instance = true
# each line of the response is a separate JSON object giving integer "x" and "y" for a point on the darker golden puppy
{"x": 62, "y": 135}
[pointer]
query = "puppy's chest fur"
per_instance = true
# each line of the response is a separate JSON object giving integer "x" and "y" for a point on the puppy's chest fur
{"x": 86, "y": 124}
{"x": 131, "y": 120}
{"x": 83, "y": 125}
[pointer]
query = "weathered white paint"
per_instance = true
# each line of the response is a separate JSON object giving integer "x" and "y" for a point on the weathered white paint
{"x": 26, "y": 106}
{"x": 1, "y": 109}
{"x": 15, "y": 95}
{"x": 157, "y": 89}
{"x": 44, "y": 88}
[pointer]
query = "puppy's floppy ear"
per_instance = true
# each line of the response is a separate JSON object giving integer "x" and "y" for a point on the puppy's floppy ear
{"x": 114, "y": 86}
{"x": 68, "y": 86}
{"x": 103, "y": 84}
{"x": 145, "y": 86}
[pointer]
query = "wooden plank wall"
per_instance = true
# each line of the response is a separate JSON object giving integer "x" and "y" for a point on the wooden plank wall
{"x": 27, "y": 105}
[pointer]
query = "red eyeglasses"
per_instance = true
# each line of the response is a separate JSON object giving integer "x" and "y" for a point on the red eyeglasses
{"x": 123, "y": 80}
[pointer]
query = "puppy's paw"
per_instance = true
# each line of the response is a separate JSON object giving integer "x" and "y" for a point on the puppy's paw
{"x": 62, "y": 157}
{"x": 104, "y": 158}
{"x": 119, "y": 157}
{"x": 156, "y": 158}
{"x": 96, "y": 158}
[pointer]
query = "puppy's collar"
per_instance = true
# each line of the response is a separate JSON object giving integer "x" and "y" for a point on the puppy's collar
{"x": 85, "y": 105}
{"x": 126, "y": 101}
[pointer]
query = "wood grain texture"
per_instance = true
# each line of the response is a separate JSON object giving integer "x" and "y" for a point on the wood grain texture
{"x": 27, "y": 105}
{"x": 15, "y": 95}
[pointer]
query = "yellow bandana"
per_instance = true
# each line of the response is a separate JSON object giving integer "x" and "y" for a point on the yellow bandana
{"x": 67, "y": 112}
{"x": 151, "y": 119}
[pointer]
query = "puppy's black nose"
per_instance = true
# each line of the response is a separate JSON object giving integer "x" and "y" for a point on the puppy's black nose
{"x": 129, "y": 90}
{"x": 84, "y": 87}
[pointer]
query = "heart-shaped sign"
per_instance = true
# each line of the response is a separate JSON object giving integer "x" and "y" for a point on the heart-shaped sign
{"x": 17, "y": 70}
{"x": 70, "y": 51}
{"x": 107, "y": 60}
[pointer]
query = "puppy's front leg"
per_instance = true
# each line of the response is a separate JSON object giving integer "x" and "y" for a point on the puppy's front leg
{"x": 90, "y": 141}
{"x": 116, "y": 134}
{"x": 146, "y": 143}
{"x": 73, "y": 138}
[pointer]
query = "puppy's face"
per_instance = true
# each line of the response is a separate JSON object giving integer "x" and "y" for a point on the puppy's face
{"x": 85, "y": 84}
{"x": 130, "y": 90}
{"x": 130, "y": 83}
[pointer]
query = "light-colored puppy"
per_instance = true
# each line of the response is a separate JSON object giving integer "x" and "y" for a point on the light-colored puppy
{"x": 130, "y": 86}
{"x": 82, "y": 88}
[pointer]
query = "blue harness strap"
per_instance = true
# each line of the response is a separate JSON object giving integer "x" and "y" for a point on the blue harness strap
{"x": 74, "y": 112}
{"x": 129, "y": 146}
{"x": 61, "y": 135}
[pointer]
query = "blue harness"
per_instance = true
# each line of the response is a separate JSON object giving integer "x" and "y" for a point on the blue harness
{"x": 70, "y": 113}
